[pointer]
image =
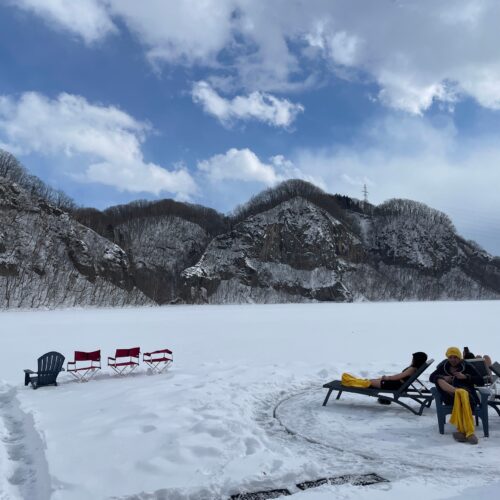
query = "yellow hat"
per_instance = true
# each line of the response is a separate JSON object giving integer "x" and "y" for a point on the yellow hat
{"x": 454, "y": 351}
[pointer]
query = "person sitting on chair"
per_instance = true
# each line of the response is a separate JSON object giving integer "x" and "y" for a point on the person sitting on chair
{"x": 455, "y": 381}
{"x": 389, "y": 382}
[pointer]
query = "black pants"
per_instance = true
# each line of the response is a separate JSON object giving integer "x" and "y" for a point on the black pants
{"x": 391, "y": 385}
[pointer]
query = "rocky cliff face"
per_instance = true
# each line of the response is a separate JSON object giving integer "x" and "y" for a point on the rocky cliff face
{"x": 293, "y": 244}
{"x": 160, "y": 248}
{"x": 293, "y": 252}
{"x": 296, "y": 251}
{"x": 47, "y": 259}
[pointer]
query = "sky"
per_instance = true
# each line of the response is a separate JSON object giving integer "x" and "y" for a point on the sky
{"x": 212, "y": 101}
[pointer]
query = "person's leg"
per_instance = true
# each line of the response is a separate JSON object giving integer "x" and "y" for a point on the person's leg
{"x": 445, "y": 386}
{"x": 375, "y": 382}
{"x": 487, "y": 362}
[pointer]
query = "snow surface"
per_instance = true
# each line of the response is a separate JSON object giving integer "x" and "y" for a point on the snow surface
{"x": 240, "y": 410}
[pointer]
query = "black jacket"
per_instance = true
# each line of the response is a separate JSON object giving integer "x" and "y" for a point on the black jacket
{"x": 473, "y": 378}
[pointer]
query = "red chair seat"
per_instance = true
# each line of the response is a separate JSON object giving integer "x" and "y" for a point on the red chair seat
{"x": 124, "y": 363}
{"x": 83, "y": 368}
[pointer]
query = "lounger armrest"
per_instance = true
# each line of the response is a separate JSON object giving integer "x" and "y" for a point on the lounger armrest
{"x": 29, "y": 371}
{"x": 110, "y": 358}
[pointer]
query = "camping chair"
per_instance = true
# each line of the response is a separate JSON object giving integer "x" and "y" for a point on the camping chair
{"x": 85, "y": 365}
{"x": 49, "y": 367}
{"x": 479, "y": 411}
{"x": 409, "y": 389}
{"x": 158, "y": 361}
{"x": 128, "y": 366}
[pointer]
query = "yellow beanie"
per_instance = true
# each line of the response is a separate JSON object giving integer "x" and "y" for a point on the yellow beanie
{"x": 454, "y": 351}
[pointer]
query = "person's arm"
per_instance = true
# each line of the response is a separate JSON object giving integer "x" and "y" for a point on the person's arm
{"x": 404, "y": 374}
{"x": 437, "y": 373}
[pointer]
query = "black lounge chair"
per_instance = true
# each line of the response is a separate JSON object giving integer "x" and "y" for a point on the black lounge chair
{"x": 409, "y": 389}
{"x": 480, "y": 366}
{"x": 495, "y": 403}
{"x": 49, "y": 367}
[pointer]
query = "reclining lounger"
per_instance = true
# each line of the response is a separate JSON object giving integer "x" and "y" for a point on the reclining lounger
{"x": 421, "y": 394}
{"x": 495, "y": 403}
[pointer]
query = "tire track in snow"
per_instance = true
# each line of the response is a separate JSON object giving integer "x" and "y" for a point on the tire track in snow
{"x": 343, "y": 461}
{"x": 24, "y": 449}
{"x": 409, "y": 463}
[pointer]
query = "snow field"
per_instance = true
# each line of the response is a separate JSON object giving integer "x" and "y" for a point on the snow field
{"x": 207, "y": 427}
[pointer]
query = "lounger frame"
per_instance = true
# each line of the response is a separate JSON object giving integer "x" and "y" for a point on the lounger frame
{"x": 412, "y": 389}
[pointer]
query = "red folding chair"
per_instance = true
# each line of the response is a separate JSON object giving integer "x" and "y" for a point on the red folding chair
{"x": 158, "y": 361}
{"x": 125, "y": 360}
{"x": 85, "y": 365}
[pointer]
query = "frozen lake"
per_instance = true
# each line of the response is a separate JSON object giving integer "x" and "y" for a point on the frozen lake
{"x": 205, "y": 429}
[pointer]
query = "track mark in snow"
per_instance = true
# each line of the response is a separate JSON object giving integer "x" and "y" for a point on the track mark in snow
{"x": 302, "y": 410}
{"x": 25, "y": 449}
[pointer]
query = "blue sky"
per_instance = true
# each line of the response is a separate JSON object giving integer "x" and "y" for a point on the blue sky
{"x": 211, "y": 102}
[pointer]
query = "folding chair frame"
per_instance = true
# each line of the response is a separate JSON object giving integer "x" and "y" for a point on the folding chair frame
{"x": 125, "y": 367}
{"x": 85, "y": 373}
{"x": 158, "y": 365}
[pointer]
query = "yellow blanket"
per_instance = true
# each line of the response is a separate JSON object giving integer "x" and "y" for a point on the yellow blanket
{"x": 461, "y": 416}
{"x": 351, "y": 381}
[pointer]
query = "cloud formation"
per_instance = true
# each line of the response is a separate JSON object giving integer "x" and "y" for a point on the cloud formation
{"x": 88, "y": 19}
{"x": 258, "y": 106}
{"x": 244, "y": 165}
{"x": 417, "y": 53}
{"x": 106, "y": 140}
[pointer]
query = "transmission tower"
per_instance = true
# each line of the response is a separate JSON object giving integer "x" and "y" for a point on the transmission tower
{"x": 365, "y": 194}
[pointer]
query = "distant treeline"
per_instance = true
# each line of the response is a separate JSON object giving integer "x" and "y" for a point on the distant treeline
{"x": 268, "y": 199}
{"x": 414, "y": 209}
{"x": 106, "y": 221}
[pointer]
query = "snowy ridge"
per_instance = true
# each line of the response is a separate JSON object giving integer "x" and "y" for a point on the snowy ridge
{"x": 293, "y": 243}
{"x": 298, "y": 252}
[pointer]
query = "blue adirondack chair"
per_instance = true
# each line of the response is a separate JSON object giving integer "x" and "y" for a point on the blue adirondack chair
{"x": 49, "y": 367}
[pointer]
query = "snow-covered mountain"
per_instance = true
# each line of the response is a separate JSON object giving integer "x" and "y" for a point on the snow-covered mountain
{"x": 48, "y": 259}
{"x": 297, "y": 251}
{"x": 293, "y": 243}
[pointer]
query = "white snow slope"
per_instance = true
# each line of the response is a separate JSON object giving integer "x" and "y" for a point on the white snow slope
{"x": 240, "y": 410}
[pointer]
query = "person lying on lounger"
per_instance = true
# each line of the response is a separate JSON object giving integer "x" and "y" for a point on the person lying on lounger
{"x": 389, "y": 382}
{"x": 470, "y": 355}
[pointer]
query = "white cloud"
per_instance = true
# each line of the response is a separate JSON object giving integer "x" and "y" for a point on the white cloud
{"x": 106, "y": 139}
{"x": 86, "y": 18}
{"x": 257, "y": 106}
{"x": 244, "y": 165}
{"x": 239, "y": 164}
{"x": 417, "y": 52}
